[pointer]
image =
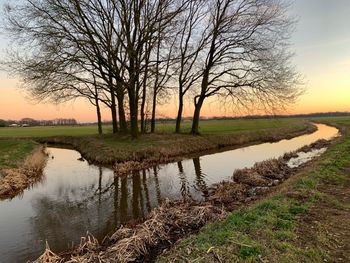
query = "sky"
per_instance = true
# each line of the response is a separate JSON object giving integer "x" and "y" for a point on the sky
{"x": 321, "y": 43}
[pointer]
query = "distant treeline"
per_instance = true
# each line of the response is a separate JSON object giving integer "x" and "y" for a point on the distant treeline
{"x": 309, "y": 115}
{"x": 253, "y": 117}
{"x": 33, "y": 122}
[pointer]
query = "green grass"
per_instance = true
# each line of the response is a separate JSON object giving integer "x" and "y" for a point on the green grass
{"x": 247, "y": 234}
{"x": 48, "y": 131}
{"x": 231, "y": 126}
{"x": 206, "y": 127}
{"x": 342, "y": 120}
{"x": 111, "y": 148}
{"x": 268, "y": 228}
{"x": 13, "y": 152}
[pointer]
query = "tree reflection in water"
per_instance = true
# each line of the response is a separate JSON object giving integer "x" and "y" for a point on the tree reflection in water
{"x": 103, "y": 204}
{"x": 200, "y": 184}
{"x": 185, "y": 188}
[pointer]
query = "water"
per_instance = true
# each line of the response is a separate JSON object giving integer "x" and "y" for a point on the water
{"x": 305, "y": 157}
{"x": 74, "y": 197}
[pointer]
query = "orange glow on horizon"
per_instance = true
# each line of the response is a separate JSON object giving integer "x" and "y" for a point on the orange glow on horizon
{"x": 14, "y": 104}
{"x": 326, "y": 91}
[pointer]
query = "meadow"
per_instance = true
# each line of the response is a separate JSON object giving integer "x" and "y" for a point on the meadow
{"x": 16, "y": 143}
{"x": 206, "y": 127}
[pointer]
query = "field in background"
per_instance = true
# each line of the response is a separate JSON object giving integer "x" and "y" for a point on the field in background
{"x": 336, "y": 120}
{"x": 206, "y": 127}
{"x": 15, "y": 143}
{"x": 231, "y": 126}
{"x": 46, "y": 131}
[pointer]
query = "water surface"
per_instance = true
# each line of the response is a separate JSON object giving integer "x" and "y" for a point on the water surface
{"x": 74, "y": 197}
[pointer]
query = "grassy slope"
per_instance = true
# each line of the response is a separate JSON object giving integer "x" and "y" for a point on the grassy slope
{"x": 272, "y": 229}
{"x": 206, "y": 127}
{"x": 164, "y": 134}
{"x": 108, "y": 149}
{"x": 13, "y": 152}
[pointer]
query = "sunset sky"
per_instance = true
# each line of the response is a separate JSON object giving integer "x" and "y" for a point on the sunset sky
{"x": 321, "y": 43}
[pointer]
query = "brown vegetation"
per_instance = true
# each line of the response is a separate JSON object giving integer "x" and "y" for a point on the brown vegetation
{"x": 316, "y": 145}
{"x": 164, "y": 225}
{"x": 14, "y": 181}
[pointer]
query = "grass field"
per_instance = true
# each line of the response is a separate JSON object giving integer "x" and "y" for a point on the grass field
{"x": 110, "y": 148}
{"x": 206, "y": 127}
{"x": 306, "y": 221}
{"x": 336, "y": 120}
{"x": 231, "y": 126}
{"x": 47, "y": 131}
{"x": 13, "y": 152}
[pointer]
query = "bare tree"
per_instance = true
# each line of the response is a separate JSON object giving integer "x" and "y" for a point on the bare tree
{"x": 62, "y": 32}
{"x": 161, "y": 72}
{"x": 245, "y": 56}
{"x": 138, "y": 23}
{"x": 47, "y": 78}
{"x": 188, "y": 48}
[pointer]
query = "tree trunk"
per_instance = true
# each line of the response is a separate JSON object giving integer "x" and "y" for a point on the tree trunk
{"x": 179, "y": 114}
{"x": 133, "y": 115}
{"x": 114, "y": 113}
{"x": 196, "y": 116}
{"x": 199, "y": 103}
{"x": 153, "y": 120}
{"x": 121, "y": 111}
{"x": 98, "y": 111}
{"x": 144, "y": 93}
{"x": 143, "y": 103}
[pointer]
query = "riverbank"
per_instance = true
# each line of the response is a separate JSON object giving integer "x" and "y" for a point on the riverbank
{"x": 306, "y": 220}
{"x": 22, "y": 166}
{"x": 125, "y": 154}
{"x": 174, "y": 219}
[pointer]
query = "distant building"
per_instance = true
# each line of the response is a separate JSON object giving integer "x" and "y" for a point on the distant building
{"x": 14, "y": 125}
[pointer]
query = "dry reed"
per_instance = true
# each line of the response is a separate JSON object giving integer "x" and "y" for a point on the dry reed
{"x": 14, "y": 181}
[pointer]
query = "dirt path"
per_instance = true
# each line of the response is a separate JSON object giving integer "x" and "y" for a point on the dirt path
{"x": 326, "y": 226}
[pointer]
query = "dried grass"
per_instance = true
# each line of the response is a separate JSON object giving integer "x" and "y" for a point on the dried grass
{"x": 14, "y": 181}
{"x": 322, "y": 143}
{"x": 263, "y": 173}
{"x": 34, "y": 164}
{"x": 228, "y": 194}
{"x": 165, "y": 224}
{"x": 48, "y": 256}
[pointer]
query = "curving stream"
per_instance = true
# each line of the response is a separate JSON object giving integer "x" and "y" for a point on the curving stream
{"x": 74, "y": 197}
